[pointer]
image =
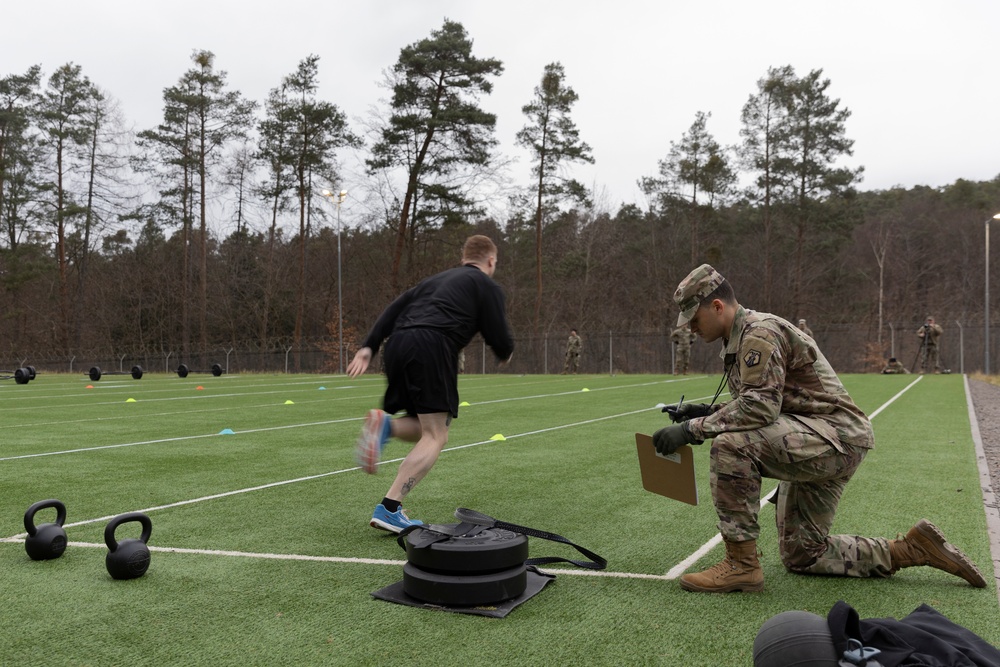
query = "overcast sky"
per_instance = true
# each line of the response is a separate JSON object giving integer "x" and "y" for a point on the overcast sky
{"x": 920, "y": 78}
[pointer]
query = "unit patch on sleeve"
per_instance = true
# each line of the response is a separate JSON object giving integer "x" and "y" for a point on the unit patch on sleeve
{"x": 755, "y": 355}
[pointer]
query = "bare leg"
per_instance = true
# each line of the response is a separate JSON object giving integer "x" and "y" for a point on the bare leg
{"x": 432, "y": 436}
{"x": 405, "y": 428}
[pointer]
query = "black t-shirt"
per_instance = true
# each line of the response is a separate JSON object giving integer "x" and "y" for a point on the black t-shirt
{"x": 459, "y": 303}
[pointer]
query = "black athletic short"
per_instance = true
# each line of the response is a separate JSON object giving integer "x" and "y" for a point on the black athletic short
{"x": 422, "y": 368}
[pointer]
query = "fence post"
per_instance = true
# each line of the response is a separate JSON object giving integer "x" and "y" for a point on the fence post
{"x": 961, "y": 348}
{"x": 611, "y": 353}
{"x": 121, "y": 364}
{"x": 71, "y": 363}
{"x": 166, "y": 362}
{"x": 230, "y": 351}
{"x": 892, "y": 341}
{"x": 286, "y": 357}
{"x": 545, "y": 355}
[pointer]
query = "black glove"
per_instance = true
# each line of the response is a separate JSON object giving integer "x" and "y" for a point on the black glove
{"x": 671, "y": 438}
{"x": 685, "y": 411}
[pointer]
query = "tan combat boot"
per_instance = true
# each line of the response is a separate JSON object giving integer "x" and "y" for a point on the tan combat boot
{"x": 739, "y": 571}
{"x": 924, "y": 544}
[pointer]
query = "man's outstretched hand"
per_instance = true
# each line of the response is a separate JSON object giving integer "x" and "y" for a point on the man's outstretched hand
{"x": 359, "y": 364}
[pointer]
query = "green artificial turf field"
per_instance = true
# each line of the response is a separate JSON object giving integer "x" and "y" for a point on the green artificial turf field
{"x": 262, "y": 553}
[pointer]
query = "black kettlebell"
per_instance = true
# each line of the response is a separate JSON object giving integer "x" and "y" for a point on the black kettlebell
{"x": 48, "y": 540}
{"x": 128, "y": 559}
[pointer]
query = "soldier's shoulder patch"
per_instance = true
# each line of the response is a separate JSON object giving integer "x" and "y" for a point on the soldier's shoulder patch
{"x": 754, "y": 355}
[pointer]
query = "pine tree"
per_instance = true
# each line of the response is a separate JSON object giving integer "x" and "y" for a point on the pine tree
{"x": 554, "y": 140}
{"x": 436, "y": 127}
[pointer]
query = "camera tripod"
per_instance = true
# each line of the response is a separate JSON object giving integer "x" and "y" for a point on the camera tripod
{"x": 923, "y": 351}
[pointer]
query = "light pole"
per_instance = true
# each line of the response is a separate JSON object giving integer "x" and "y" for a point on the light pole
{"x": 340, "y": 197}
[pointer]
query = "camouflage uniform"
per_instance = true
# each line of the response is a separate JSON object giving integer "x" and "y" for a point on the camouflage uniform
{"x": 929, "y": 334}
{"x": 790, "y": 419}
{"x": 573, "y": 348}
{"x": 682, "y": 337}
{"x": 894, "y": 367}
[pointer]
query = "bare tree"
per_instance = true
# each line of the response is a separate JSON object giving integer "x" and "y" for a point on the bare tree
{"x": 63, "y": 114}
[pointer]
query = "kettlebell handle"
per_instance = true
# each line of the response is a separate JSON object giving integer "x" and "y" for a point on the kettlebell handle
{"x": 29, "y": 516}
{"x": 109, "y": 532}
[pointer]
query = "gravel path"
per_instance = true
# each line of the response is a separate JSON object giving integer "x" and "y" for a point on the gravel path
{"x": 986, "y": 402}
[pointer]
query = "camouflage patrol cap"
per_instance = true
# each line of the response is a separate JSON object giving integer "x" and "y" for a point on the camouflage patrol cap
{"x": 693, "y": 289}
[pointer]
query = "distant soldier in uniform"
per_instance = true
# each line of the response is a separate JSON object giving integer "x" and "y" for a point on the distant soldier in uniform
{"x": 574, "y": 346}
{"x": 790, "y": 419}
{"x": 894, "y": 367}
{"x": 929, "y": 334}
{"x": 805, "y": 329}
{"x": 683, "y": 338}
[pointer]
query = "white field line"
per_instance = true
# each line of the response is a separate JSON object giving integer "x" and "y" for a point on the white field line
{"x": 177, "y": 439}
{"x": 335, "y": 559}
{"x": 250, "y": 390}
{"x": 333, "y": 472}
{"x": 890, "y": 401}
{"x": 577, "y": 391}
{"x": 243, "y": 554}
{"x": 301, "y": 425}
{"x": 673, "y": 573}
{"x": 160, "y": 414}
{"x": 198, "y": 397}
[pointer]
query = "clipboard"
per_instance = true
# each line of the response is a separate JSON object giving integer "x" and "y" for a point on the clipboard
{"x": 671, "y": 476}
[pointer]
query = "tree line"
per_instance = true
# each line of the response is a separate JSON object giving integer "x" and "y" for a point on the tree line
{"x": 220, "y": 226}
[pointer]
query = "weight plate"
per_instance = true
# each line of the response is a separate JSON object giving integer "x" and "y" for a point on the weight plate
{"x": 492, "y": 550}
{"x": 95, "y": 373}
{"x": 182, "y": 371}
{"x": 216, "y": 370}
{"x": 137, "y": 372}
{"x": 465, "y": 589}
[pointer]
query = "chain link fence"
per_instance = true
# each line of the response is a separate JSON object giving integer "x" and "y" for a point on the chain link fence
{"x": 850, "y": 348}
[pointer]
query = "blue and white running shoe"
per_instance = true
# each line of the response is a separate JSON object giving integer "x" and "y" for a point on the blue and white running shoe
{"x": 394, "y": 522}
